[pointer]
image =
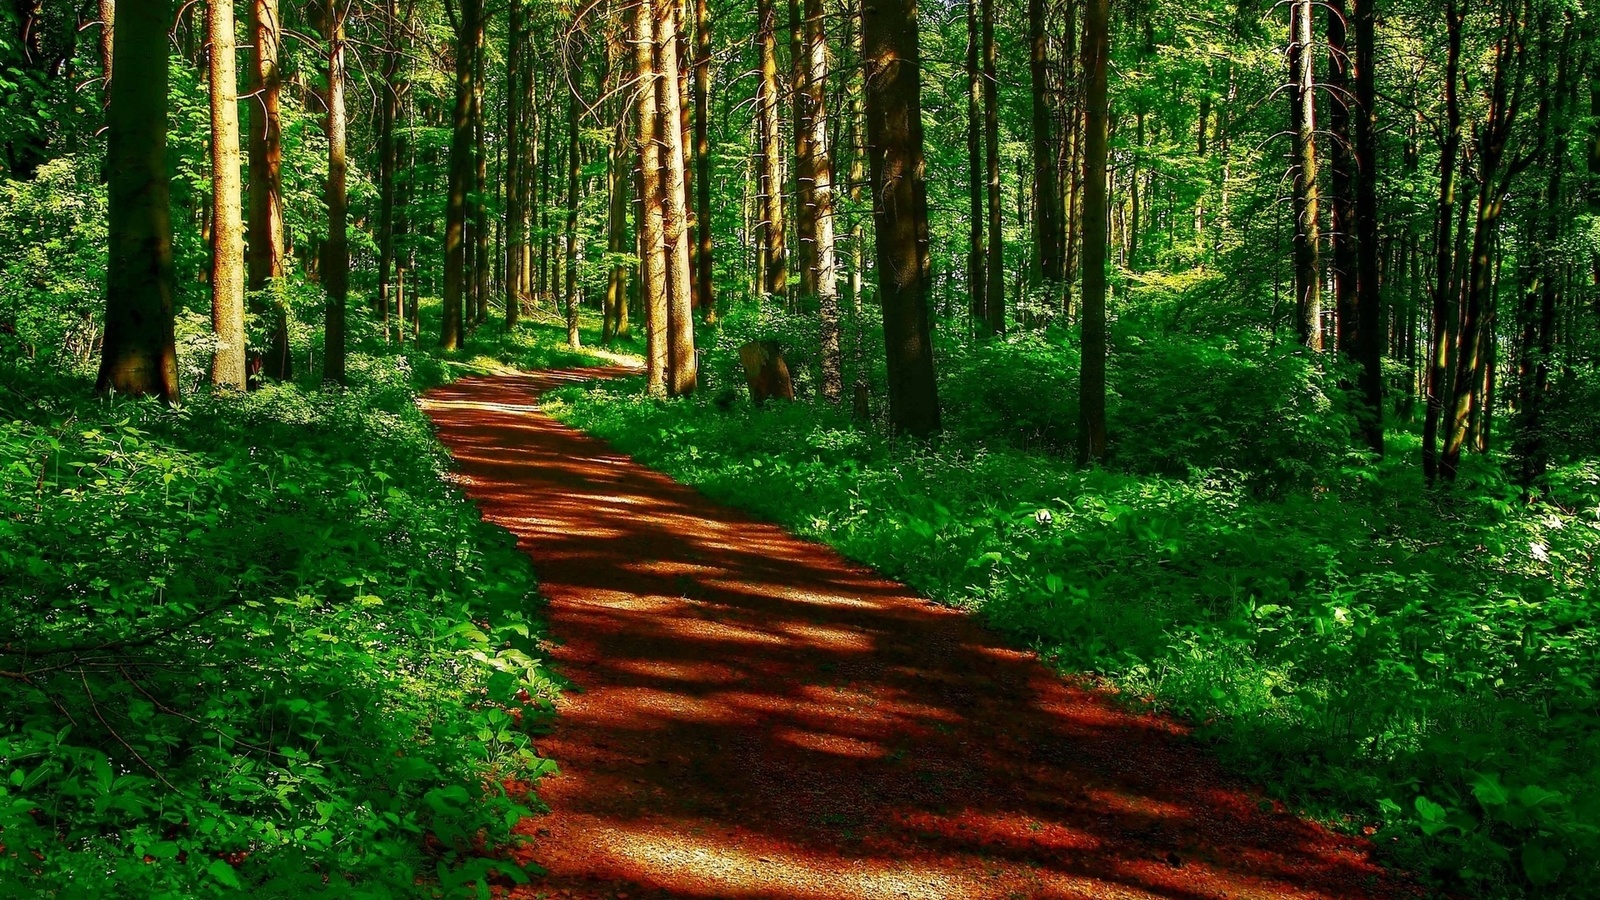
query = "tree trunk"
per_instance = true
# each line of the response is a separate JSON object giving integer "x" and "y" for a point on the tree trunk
{"x": 482, "y": 256}
{"x": 1308, "y": 227}
{"x": 891, "y": 54}
{"x": 388, "y": 159}
{"x": 516, "y": 227}
{"x": 266, "y": 245}
{"x": 775, "y": 265}
{"x": 682, "y": 375}
{"x": 977, "y": 250}
{"x": 827, "y": 273}
{"x": 138, "y": 354}
{"x": 995, "y": 258}
{"x": 1369, "y": 337}
{"x": 652, "y": 247}
{"x": 461, "y": 170}
{"x": 702, "y": 160}
{"x": 1444, "y": 248}
{"x": 574, "y": 170}
{"x": 1047, "y": 256}
{"x": 227, "y": 222}
{"x": 1097, "y": 108}
{"x": 1341, "y": 181}
{"x": 336, "y": 252}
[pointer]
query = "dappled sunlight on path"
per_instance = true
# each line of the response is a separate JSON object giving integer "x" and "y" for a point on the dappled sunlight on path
{"x": 757, "y": 717}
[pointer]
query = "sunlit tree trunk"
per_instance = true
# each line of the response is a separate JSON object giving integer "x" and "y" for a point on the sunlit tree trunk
{"x": 482, "y": 256}
{"x": 138, "y": 353}
{"x": 1097, "y": 108}
{"x": 682, "y": 373}
{"x": 821, "y": 166}
{"x": 266, "y": 245}
{"x": 650, "y": 230}
{"x": 775, "y": 264}
{"x": 336, "y": 251}
{"x": 516, "y": 227}
{"x": 227, "y": 222}
{"x": 574, "y": 170}
{"x": 1307, "y": 212}
{"x": 891, "y": 54}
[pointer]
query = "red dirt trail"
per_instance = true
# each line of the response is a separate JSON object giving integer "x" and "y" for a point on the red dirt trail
{"x": 757, "y": 717}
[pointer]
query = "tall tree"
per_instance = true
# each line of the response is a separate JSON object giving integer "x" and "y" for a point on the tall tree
{"x": 892, "y": 55}
{"x": 995, "y": 258}
{"x": 138, "y": 353}
{"x": 651, "y": 227}
{"x": 1369, "y": 334}
{"x": 682, "y": 374}
{"x": 977, "y": 250}
{"x": 336, "y": 251}
{"x": 227, "y": 221}
{"x": 819, "y": 149}
{"x": 775, "y": 259}
{"x": 461, "y": 172}
{"x": 1307, "y": 202}
{"x": 266, "y": 245}
{"x": 1440, "y": 320}
{"x": 1047, "y": 256}
{"x": 1097, "y": 115}
{"x": 702, "y": 160}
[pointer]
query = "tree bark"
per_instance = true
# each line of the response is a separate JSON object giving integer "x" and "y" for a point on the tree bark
{"x": 266, "y": 244}
{"x": 1444, "y": 247}
{"x": 138, "y": 354}
{"x": 1047, "y": 256}
{"x": 892, "y": 56}
{"x": 336, "y": 252}
{"x": 820, "y": 151}
{"x": 977, "y": 250}
{"x": 227, "y": 221}
{"x": 1308, "y": 216}
{"x": 702, "y": 160}
{"x": 651, "y": 227}
{"x": 1369, "y": 336}
{"x": 516, "y": 226}
{"x": 995, "y": 258}
{"x": 682, "y": 375}
{"x": 461, "y": 170}
{"x": 1097, "y": 108}
{"x": 775, "y": 265}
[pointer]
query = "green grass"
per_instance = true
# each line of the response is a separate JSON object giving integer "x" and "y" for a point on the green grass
{"x": 1392, "y": 659}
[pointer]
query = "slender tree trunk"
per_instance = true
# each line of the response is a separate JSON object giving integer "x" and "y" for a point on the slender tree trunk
{"x": 995, "y": 258}
{"x": 1369, "y": 336}
{"x": 651, "y": 227}
{"x": 1308, "y": 227}
{"x": 108, "y": 26}
{"x": 890, "y": 47}
{"x": 682, "y": 375}
{"x": 1047, "y": 256}
{"x": 1444, "y": 244}
{"x": 820, "y": 151}
{"x": 516, "y": 225}
{"x": 388, "y": 159}
{"x": 702, "y": 160}
{"x": 1341, "y": 181}
{"x": 805, "y": 223}
{"x": 775, "y": 265}
{"x": 227, "y": 222}
{"x": 977, "y": 250}
{"x": 574, "y": 171}
{"x": 138, "y": 354}
{"x": 461, "y": 169}
{"x": 336, "y": 252}
{"x": 1092, "y": 390}
{"x": 482, "y": 254}
{"x": 266, "y": 244}
{"x": 616, "y": 309}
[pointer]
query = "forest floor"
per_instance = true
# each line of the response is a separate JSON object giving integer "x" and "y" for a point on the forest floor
{"x": 753, "y": 716}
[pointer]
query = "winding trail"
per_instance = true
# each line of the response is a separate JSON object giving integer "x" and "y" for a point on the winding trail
{"x": 757, "y": 717}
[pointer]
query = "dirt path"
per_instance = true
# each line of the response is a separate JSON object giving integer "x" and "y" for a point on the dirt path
{"x": 760, "y": 718}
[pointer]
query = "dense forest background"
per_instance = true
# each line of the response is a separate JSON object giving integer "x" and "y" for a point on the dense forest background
{"x": 1241, "y": 355}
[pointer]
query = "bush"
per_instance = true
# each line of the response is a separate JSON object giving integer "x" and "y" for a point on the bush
{"x": 255, "y": 644}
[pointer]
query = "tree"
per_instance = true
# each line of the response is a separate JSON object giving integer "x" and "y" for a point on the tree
{"x": 651, "y": 227}
{"x": 682, "y": 373}
{"x": 1097, "y": 109}
{"x": 892, "y": 55}
{"x": 1047, "y": 256}
{"x": 139, "y": 354}
{"x": 821, "y": 171}
{"x": 1307, "y": 212}
{"x": 227, "y": 222}
{"x": 266, "y": 246}
{"x": 336, "y": 252}
{"x": 461, "y": 172}
{"x": 774, "y": 259}
{"x": 977, "y": 250}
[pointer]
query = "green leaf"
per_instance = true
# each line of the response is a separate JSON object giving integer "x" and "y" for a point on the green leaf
{"x": 1542, "y": 862}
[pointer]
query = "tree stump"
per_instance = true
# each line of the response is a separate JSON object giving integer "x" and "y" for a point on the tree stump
{"x": 765, "y": 371}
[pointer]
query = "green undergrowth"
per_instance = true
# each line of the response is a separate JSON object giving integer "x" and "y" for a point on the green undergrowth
{"x": 1417, "y": 665}
{"x": 258, "y": 645}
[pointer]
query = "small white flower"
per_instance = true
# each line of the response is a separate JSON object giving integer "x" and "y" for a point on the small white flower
{"x": 1540, "y": 551}
{"x": 1043, "y": 517}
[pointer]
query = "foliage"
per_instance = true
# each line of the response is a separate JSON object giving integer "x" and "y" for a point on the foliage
{"x": 1414, "y": 664}
{"x": 256, "y": 645}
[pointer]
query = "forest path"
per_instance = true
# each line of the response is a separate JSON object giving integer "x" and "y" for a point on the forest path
{"x": 758, "y": 717}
